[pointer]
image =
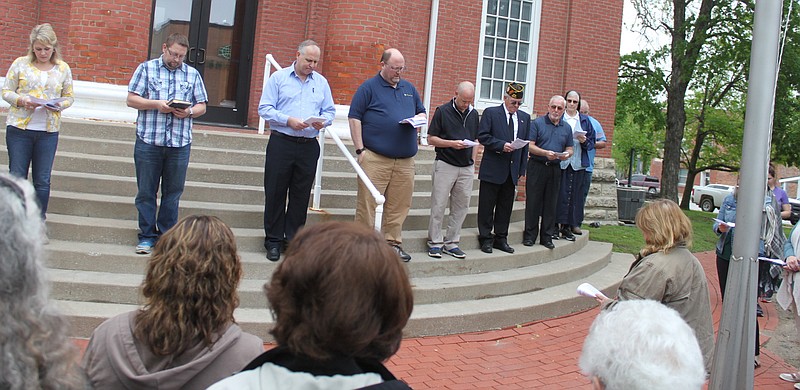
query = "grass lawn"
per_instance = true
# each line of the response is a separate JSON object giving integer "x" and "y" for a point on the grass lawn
{"x": 628, "y": 239}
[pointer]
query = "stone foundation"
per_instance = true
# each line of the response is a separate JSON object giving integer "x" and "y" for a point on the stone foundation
{"x": 601, "y": 204}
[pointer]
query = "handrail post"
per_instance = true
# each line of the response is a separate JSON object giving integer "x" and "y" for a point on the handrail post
{"x": 318, "y": 177}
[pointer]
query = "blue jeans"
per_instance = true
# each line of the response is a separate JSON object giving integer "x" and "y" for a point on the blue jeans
{"x": 36, "y": 150}
{"x": 159, "y": 165}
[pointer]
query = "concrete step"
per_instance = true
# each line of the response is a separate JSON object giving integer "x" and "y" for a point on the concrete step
{"x": 427, "y": 319}
{"x": 237, "y": 215}
{"x": 115, "y": 287}
{"x": 103, "y": 257}
{"x": 124, "y": 231}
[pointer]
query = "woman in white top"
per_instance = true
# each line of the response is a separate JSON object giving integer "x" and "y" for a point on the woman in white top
{"x": 38, "y": 86}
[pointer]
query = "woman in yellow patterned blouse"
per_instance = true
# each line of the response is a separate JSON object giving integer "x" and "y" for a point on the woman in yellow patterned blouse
{"x": 38, "y": 87}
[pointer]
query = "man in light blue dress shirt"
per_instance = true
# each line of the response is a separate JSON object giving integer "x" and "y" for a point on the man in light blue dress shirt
{"x": 296, "y": 103}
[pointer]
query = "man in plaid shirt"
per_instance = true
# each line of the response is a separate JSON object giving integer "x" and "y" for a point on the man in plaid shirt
{"x": 163, "y": 135}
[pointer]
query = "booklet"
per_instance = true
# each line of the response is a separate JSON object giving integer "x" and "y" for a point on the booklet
{"x": 578, "y": 131}
{"x": 774, "y": 261}
{"x": 519, "y": 143}
{"x": 51, "y": 103}
{"x": 469, "y": 142}
{"x": 587, "y": 290}
{"x": 415, "y": 121}
{"x": 312, "y": 119}
{"x": 730, "y": 224}
{"x": 177, "y": 103}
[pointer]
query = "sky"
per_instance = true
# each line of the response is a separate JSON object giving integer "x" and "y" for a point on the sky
{"x": 631, "y": 40}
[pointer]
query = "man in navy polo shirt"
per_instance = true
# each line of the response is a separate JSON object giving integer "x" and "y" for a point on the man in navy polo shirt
{"x": 551, "y": 143}
{"x": 385, "y": 147}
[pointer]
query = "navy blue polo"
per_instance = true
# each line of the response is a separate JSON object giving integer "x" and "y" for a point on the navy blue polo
{"x": 380, "y": 108}
{"x": 549, "y": 136}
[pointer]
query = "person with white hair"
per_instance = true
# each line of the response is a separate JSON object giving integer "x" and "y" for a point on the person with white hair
{"x": 35, "y": 350}
{"x": 642, "y": 344}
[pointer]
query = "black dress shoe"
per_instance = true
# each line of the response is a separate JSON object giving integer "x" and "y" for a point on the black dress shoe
{"x": 486, "y": 247}
{"x": 576, "y": 230}
{"x": 503, "y": 246}
{"x": 400, "y": 252}
{"x": 527, "y": 242}
{"x": 548, "y": 245}
{"x": 273, "y": 254}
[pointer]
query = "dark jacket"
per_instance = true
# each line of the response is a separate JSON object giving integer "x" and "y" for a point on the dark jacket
{"x": 493, "y": 133}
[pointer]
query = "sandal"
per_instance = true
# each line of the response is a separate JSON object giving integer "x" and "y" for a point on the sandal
{"x": 793, "y": 377}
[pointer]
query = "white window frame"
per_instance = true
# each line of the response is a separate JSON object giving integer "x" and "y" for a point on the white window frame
{"x": 533, "y": 51}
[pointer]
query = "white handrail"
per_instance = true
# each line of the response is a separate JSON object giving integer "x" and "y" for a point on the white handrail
{"x": 270, "y": 62}
{"x": 379, "y": 198}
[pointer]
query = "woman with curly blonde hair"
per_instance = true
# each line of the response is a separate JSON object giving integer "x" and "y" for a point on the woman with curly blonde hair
{"x": 35, "y": 350}
{"x": 666, "y": 271}
{"x": 185, "y": 335}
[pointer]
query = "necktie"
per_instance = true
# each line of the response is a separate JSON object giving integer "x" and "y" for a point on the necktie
{"x": 511, "y": 126}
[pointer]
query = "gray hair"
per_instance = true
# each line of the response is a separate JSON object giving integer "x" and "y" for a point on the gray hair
{"x": 303, "y": 45}
{"x": 642, "y": 344}
{"x": 35, "y": 351}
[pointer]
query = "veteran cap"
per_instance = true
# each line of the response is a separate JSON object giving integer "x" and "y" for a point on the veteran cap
{"x": 515, "y": 90}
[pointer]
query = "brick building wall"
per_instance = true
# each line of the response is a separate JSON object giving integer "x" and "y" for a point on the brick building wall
{"x": 103, "y": 41}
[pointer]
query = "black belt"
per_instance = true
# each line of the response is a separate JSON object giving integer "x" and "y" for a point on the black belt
{"x": 299, "y": 140}
{"x": 549, "y": 163}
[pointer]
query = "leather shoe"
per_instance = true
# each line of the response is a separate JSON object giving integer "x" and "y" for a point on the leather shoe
{"x": 273, "y": 254}
{"x": 548, "y": 245}
{"x": 400, "y": 252}
{"x": 577, "y": 230}
{"x": 527, "y": 242}
{"x": 486, "y": 247}
{"x": 503, "y": 246}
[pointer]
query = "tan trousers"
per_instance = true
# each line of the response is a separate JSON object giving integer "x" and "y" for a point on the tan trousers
{"x": 394, "y": 178}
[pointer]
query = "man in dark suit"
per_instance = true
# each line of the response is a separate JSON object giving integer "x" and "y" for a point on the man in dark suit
{"x": 501, "y": 167}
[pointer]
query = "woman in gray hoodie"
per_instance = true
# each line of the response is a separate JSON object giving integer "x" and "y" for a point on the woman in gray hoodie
{"x": 185, "y": 335}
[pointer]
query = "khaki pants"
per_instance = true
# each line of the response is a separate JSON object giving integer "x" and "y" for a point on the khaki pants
{"x": 394, "y": 178}
{"x": 454, "y": 185}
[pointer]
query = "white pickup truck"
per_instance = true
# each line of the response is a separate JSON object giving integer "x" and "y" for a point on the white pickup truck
{"x": 710, "y": 197}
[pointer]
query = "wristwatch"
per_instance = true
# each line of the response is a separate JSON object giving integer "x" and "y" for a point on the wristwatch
{"x": 359, "y": 151}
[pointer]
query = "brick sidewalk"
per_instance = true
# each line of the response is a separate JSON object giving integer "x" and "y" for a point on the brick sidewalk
{"x": 540, "y": 355}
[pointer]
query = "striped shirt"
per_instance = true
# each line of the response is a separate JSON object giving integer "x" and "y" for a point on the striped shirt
{"x": 153, "y": 80}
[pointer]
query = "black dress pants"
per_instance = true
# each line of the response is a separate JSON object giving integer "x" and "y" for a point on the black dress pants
{"x": 290, "y": 166}
{"x": 495, "y": 202}
{"x": 541, "y": 189}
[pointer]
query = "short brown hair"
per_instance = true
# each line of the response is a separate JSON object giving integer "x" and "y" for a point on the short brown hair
{"x": 341, "y": 290}
{"x": 664, "y": 226}
{"x": 190, "y": 286}
{"x": 178, "y": 38}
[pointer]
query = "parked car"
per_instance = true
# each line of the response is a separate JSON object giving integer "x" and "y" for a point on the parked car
{"x": 795, "y": 210}
{"x": 710, "y": 197}
{"x": 651, "y": 183}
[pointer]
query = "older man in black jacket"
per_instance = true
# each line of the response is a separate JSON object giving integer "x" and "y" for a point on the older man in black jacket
{"x": 501, "y": 167}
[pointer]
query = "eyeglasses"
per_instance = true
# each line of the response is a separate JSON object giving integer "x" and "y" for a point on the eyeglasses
{"x": 557, "y": 108}
{"x": 397, "y": 69}
{"x": 175, "y": 55}
{"x": 572, "y": 101}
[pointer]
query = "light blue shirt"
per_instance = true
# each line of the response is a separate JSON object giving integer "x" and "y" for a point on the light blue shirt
{"x": 153, "y": 80}
{"x": 600, "y": 136}
{"x": 285, "y": 95}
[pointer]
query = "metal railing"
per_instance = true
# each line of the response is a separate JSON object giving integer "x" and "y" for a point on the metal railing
{"x": 379, "y": 198}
